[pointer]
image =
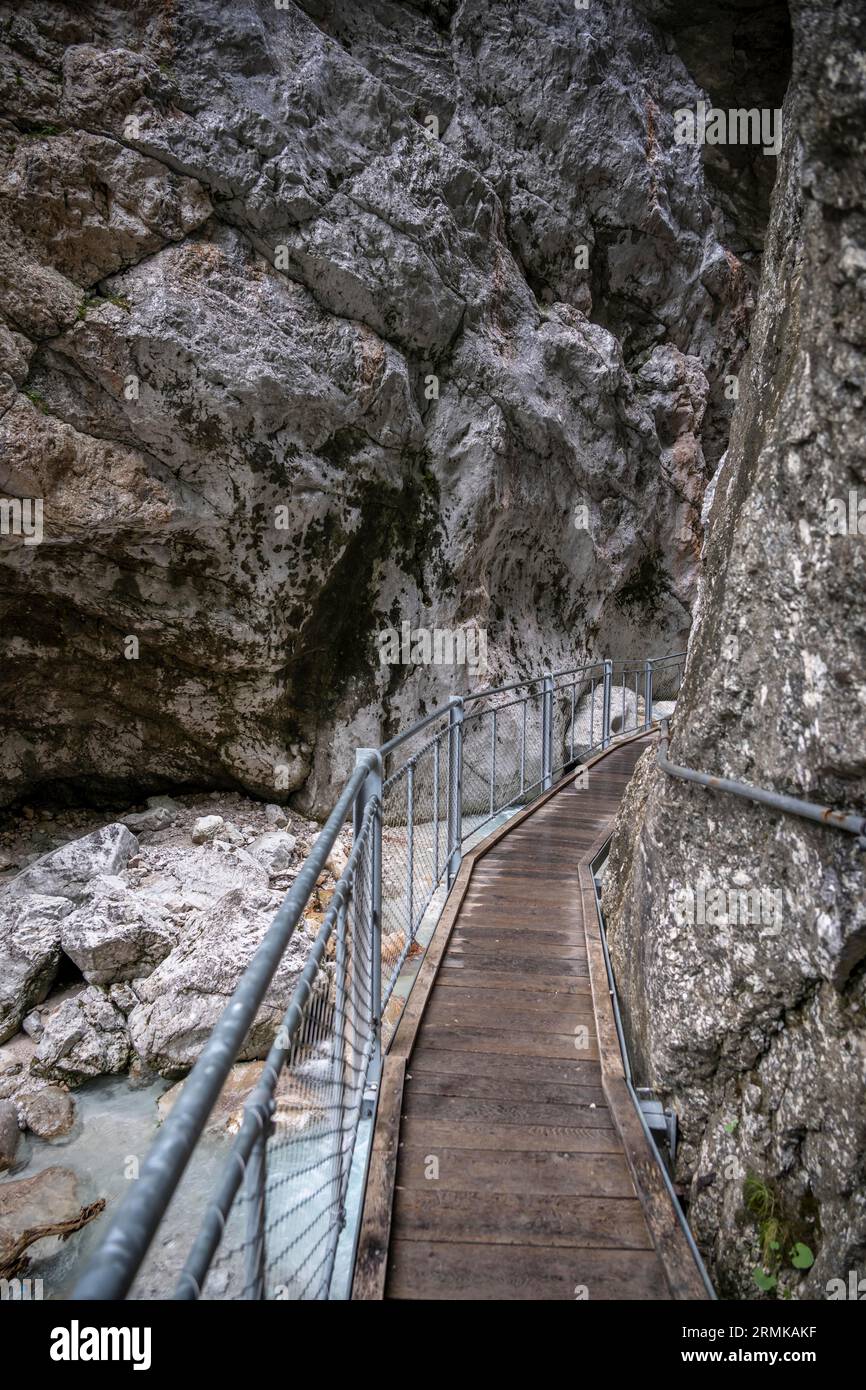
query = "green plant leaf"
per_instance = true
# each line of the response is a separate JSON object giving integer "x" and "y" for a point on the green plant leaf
{"x": 801, "y": 1256}
{"x": 764, "y": 1281}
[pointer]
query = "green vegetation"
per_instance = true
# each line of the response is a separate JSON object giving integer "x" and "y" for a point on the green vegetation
{"x": 37, "y": 400}
{"x": 93, "y": 301}
{"x": 778, "y": 1245}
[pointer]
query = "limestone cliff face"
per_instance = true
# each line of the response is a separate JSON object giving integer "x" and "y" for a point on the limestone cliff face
{"x": 297, "y": 343}
{"x": 756, "y": 1029}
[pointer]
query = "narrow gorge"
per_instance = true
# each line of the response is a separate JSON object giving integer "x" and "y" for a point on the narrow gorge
{"x": 355, "y": 356}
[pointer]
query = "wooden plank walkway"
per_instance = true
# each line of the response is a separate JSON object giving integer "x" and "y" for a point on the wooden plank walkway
{"x": 508, "y": 1161}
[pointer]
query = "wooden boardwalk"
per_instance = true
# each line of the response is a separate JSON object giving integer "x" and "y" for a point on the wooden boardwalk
{"x": 508, "y": 1161}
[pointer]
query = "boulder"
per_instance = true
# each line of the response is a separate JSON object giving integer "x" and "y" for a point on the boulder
{"x": 51, "y": 1195}
{"x": 229, "y": 834}
{"x": 298, "y": 1103}
{"x": 624, "y": 712}
{"x": 198, "y": 879}
{"x": 29, "y": 954}
{"x": 663, "y": 709}
{"x": 337, "y": 858}
{"x": 206, "y": 828}
{"x": 85, "y": 1037}
{"x": 66, "y": 872}
{"x": 154, "y": 818}
{"x": 10, "y": 1134}
{"x": 274, "y": 851}
{"x": 48, "y": 1198}
{"x": 115, "y": 934}
{"x": 15, "y": 1058}
{"x": 47, "y": 1111}
{"x": 183, "y": 998}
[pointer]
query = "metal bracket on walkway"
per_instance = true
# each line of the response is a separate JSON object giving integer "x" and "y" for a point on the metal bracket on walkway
{"x": 370, "y": 1100}
{"x": 660, "y": 1119}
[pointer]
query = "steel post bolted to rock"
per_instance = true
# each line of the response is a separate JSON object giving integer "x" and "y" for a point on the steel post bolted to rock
{"x": 607, "y": 686}
{"x": 547, "y": 733}
{"x": 648, "y": 695}
{"x": 371, "y": 788}
{"x": 455, "y": 786}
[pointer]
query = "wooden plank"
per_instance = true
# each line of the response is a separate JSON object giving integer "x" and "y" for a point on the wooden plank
{"x": 440, "y": 1270}
{"x": 438, "y": 1097}
{"x": 372, "y": 1256}
{"x": 551, "y": 1220}
{"x": 513, "y": 1001}
{"x": 508, "y": 1042}
{"x": 506, "y": 1090}
{"x": 522, "y": 966}
{"x": 517, "y": 1171}
{"x": 542, "y": 1072}
{"x": 492, "y": 1014}
{"x": 494, "y": 979}
{"x": 479, "y": 1134}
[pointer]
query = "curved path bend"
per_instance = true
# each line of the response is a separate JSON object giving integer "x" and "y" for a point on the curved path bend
{"x": 508, "y": 1160}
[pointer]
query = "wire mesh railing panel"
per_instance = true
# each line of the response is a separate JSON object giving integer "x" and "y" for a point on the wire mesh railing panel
{"x": 318, "y": 1102}
{"x": 274, "y": 1226}
{"x": 667, "y": 677}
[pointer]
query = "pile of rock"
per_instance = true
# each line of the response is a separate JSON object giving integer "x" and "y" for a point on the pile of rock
{"x": 156, "y": 915}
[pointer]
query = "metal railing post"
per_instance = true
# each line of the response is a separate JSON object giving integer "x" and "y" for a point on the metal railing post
{"x": 547, "y": 733}
{"x": 648, "y": 695}
{"x": 455, "y": 786}
{"x": 254, "y": 1192}
{"x": 607, "y": 686}
{"x": 372, "y": 787}
{"x": 410, "y": 852}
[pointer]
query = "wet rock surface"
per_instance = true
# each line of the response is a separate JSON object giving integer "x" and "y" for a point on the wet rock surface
{"x": 281, "y": 384}
{"x": 752, "y": 1019}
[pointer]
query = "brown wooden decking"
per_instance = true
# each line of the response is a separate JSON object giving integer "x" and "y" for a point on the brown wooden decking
{"x": 508, "y": 1160}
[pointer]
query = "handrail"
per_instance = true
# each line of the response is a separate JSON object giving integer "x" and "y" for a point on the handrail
{"x": 345, "y": 1027}
{"x": 629, "y": 1079}
{"x": 134, "y": 1226}
{"x": 792, "y": 805}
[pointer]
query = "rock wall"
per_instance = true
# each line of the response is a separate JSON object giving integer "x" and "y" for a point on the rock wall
{"x": 296, "y": 343}
{"x": 752, "y": 1021}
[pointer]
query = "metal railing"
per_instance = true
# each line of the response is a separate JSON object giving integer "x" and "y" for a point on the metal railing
{"x": 273, "y": 1224}
{"x": 850, "y": 821}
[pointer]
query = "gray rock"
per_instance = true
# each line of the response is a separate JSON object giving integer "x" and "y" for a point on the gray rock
{"x": 588, "y": 716}
{"x": 754, "y": 1026}
{"x": 276, "y": 816}
{"x": 66, "y": 872}
{"x": 114, "y": 934}
{"x": 319, "y": 276}
{"x": 197, "y": 879}
{"x": 154, "y": 818}
{"x": 47, "y": 1111}
{"x": 274, "y": 851}
{"x": 207, "y": 828}
{"x": 15, "y": 1058}
{"x": 229, "y": 834}
{"x": 48, "y": 1197}
{"x": 183, "y": 998}
{"x": 85, "y": 1037}
{"x": 30, "y": 929}
{"x": 10, "y": 1134}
